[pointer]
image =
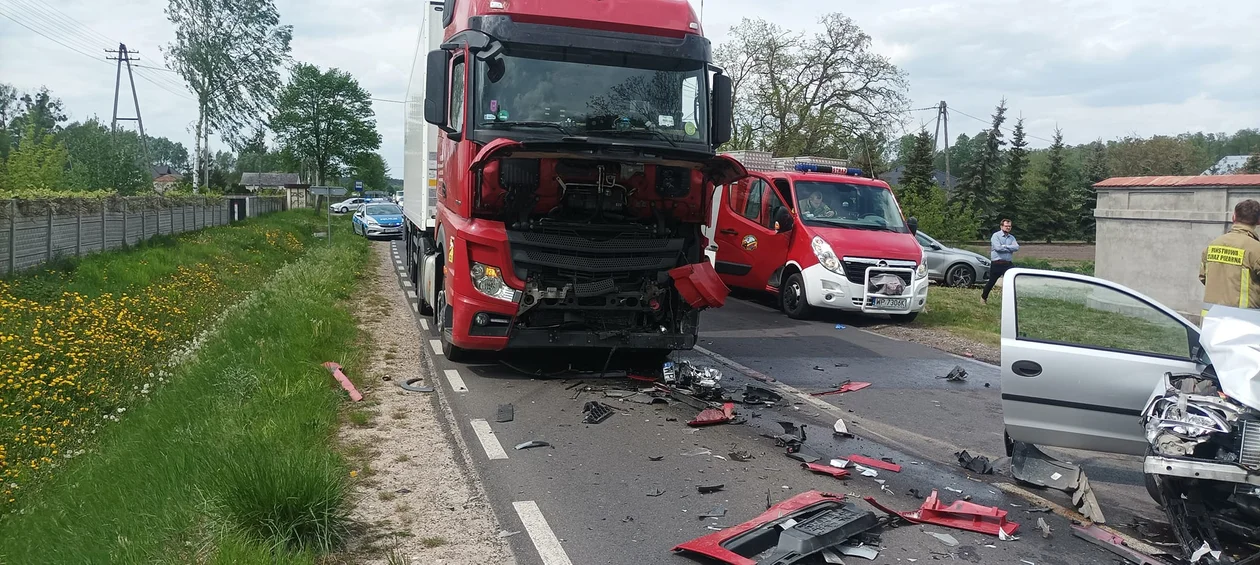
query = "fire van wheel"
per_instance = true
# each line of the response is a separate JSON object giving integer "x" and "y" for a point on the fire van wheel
{"x": 795, "y": 305}
{"x": 904, "y": 318}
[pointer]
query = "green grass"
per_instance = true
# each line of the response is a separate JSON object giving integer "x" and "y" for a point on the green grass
{"x": 234, "y": 461}
{"x": 960, "y": 311}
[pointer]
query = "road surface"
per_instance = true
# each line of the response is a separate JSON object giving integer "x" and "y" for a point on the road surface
{"x": 597, "y": 495}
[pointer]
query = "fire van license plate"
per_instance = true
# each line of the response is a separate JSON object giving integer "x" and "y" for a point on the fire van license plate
{"x": 890, "y": 303}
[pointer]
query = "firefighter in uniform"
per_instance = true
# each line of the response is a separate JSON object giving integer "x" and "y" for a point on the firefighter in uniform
{"x": 1230, "y": 268}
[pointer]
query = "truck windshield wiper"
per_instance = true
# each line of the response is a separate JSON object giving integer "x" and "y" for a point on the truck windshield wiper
{"x": 659, "y": 134}
{"x": 530, "y": 124}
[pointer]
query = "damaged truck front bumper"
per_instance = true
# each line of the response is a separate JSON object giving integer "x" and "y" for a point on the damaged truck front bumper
{"x": 1204, "y": 470}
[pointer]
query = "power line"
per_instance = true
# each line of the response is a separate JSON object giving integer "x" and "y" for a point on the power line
{"x": 393, "y": 101}
{"x": 1007, "y": 130}
{"x": 50, "y": 38}
{"x": 52, "y": 24}
{"x": 49, "y": 8}
{"x": 156, "y": 68}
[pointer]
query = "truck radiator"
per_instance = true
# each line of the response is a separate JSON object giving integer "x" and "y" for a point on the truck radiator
{"x": 588, "y": 258}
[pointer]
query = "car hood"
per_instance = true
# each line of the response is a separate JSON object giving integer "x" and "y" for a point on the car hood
{"x": 1231, "y": 338}
{"x": 848, "y": 242}
{"x": 961, "y": 253}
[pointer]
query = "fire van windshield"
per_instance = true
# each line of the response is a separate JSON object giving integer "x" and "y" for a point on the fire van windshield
{"x": 857, "y": 206}
{"x": 570, "y": 94}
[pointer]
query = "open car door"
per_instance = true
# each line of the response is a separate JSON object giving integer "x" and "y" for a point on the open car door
{"x": 1081, "y": 357}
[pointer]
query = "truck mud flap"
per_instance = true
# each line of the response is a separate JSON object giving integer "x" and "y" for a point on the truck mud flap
{"x": 788, "y": 532}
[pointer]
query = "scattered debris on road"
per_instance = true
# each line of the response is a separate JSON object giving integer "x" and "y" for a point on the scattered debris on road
{"x": 1113, "y": 543}
{"x": 957, "y": 375}
{"x": 841, "y": 429}
{"x": 960, "y": 514}
{"x": 741, "y": 456}
{"x": 702, "y": 381}
{"x": 532, "y": 444}
{"x": 846, "y": 386}
{"x": 596, "y": 412}
{"x": 711, "y": 416}
{"x": 656, "y": 493}
{"x": 946, "y": 539}
{"x": 505, "y": 413}
{"x": 717, "y": 512}
{"x": 792, "y": 438}
{"x": 1045, "y": 528}
{"x": 1032, "y": 466}
{"x": 974, "y": 463}
{"x": 755, "y": 394}
{"x": 826, "y": 470}
{"x": 876, "y": 463}
{"x": 706, "y": 489}
{"x": 655, "y": 458}
{"x": 409, "y": 385}
{"x": 335, "y": 368}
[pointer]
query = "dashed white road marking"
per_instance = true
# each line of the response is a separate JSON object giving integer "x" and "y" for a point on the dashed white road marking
{"x": 436, "y": 344}
{"x": 411, "y": 294}
{"x": 406, "y": 284}
{"x": 490, "y": 443}
{"x": 457, "y": 382}
{"x": 415, "y": 307}
{"x": 545, "y": 541}
{"x": 424, "y": 324}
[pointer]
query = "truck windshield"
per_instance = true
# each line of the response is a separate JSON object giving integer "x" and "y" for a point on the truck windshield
{"x": 858, "y": 206}
{"x": 563, "y": 93}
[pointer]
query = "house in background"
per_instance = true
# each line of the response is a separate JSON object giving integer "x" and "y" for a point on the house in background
{"x": 254, "y": 182}
{"x": 166, "y": 182}
{"x": 1228, "y": 165}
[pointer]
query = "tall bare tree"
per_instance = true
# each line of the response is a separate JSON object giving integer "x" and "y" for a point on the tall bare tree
{"x": 229, "y": 52}
{"x": 799, "y": 94}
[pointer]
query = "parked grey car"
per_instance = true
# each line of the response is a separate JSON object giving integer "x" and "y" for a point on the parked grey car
{"x": 951, "y": 266}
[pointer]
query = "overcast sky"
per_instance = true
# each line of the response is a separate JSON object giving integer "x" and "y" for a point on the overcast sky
{"x": 1096, "y": 68}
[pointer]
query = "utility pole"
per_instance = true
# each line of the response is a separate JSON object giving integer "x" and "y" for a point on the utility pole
{"x": 122, "y": 55}
{"x": 942, "y": 119}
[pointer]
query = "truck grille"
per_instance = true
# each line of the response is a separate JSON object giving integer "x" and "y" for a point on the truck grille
{"x": 1249, "y": 453}
{"x": 573, "y": 256}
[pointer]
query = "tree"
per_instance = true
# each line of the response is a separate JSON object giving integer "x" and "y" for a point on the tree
{"x": 40, "y": 110}
{"x": 980, "y": 175}
{"x": 939, "y": 217}
{"x": 37, "y": 163}
{"x": 1012, "y": 193}
{"x": 8, "y": 109}
{"x": 369, "y": 168}
{"x": 166, "y": 153}
{"x": 1252, "y": 166}
{"x": 809, "y": 95}
{"x": 1156, "y": 156}
{"x": 1087, "y": 197}
{"x": 1049, "y": 217}
{"x": 229, "y": 53}
{"x": 100, "y": 160}
{"x": 325, "y": 118}
{"x": 918, "y": 177}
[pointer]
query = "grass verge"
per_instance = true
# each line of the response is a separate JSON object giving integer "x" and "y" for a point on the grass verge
{"x": 233, "y": 461}
{"x": 960, "y": 311}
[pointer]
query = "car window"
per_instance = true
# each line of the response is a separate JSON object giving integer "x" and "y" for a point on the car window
{"x": 785, "y": 188}
{"x": 923, "y": 239}
{"x": 773, "y": 203}
{"x": 385, "y": 210}
{"x": 1086, "y": 314}
{"x": 752, "y": 209}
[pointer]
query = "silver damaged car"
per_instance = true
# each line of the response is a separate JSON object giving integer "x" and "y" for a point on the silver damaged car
{"x": 951, "y": 266}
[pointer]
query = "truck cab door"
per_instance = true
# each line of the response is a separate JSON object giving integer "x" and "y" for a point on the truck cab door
{"x": 1081, "y": 357}
{"x": 750, "y": 248}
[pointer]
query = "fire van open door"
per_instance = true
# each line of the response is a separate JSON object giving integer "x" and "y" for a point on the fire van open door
{"x": 750, "y": 247}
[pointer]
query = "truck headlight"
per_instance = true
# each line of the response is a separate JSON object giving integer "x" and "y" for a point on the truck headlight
{"x": 921, "y": 272}
{"x": 489, "y": 281}
{"x": 826, "y": 257}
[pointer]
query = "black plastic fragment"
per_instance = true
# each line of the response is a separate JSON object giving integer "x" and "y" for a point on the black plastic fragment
{"x": 596, "y": 412}
{"x": 706, "y": 489}
{"x": 974, "y": 463}
{"x": 506, "y": 413}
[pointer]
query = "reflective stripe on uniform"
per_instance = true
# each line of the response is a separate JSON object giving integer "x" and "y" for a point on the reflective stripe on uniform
{"x": 1225, "y": 255}
{"x": 1244, "y": 295}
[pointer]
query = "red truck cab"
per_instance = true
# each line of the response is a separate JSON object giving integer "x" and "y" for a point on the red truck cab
{"x": 819, "y": 236}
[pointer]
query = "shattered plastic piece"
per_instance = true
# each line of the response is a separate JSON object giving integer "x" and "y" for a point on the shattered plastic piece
{"x": 839, "y": 326}
{"x": 700, "y": 286}
{"x": 1204, "y": 551}
{"x": 596, "y": 412}
{"x": 1031, "y": 465}
{"x": 1085, "y": 502}
{"x": 954, "y": 490}
{"x": 847, "y": 386}
{"x": 960, "y": 514}
{"x": 656, "y": 458}
{"x": 711, "y": 416}
{"x": 877, "y": 463}
{"x": 1045, "y": 528}
{"x": 792, "y": 438}
{"x": 716, "y": 512}
{"x": 826, "y": 470}
{"x": 409, "y": 385}
{"x": 1113, "y": 543}
{"x": 619, "y": 393}
{"x": 335, "y": 368}
{"x": 841, "y": 429}
{"x": 706, "y": 489}
{"x": 831, "y": 558}
{"x": 976, "y": 464}
{"x": 1002, "y": 535}
{"x": 946, "y": 539}
{"x": 532, "y": 444}
{"x": 865, "y": 472}
{"x": 957, "y": 375}
{"x": 818, "y": 521}
{"x": 802, "y": 457}
{"x": 741, "y": 456}
{"x": 754, "y": 394}
{"x": 863, "y": 551}
{"x": 656, "y": 493}
{"x": 840, "y": 463}
{"x": 506, "y": 413}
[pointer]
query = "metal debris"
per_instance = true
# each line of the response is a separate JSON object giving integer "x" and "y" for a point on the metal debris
{"x": 409, "y": 385}
{"x": 974, "y": 463}
{"x": 506, "y": 534}
{"x": 863, "y": 551}
{"x": 716, "y": 512}
{"x": 1045, "y": 528}
{"x": 506, "y": 413}
{"x": 656, "y": 458}
{"x": 1114, "y": 544}
{"x": 596, "y": 412}
{"x": 706, "y": 489}
{"x": 792, "y": 438}
{"x": 946, "y": 539}
{"x": 841, "y": 429}
{"x": 532, "y": 443}
{"x": 958, "y": 375}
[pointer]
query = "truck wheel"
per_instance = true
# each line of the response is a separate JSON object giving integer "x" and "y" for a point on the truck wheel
{"x": 440, "y": 313}
{"x": 904, "y": 318}
{"x": 792, "y": 296}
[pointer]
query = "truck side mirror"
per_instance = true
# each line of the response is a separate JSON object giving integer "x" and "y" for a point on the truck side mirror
{"x": 435, "y": 94}
{"x": 720, "y": 129}
{"x": 783, "y": 220}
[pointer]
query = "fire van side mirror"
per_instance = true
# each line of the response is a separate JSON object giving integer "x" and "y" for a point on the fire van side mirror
{"x": 913, "y": 224}
{"x": 783, "y": 220}
{"x": 720, "y": 129}
{"x": 435, "y": 95}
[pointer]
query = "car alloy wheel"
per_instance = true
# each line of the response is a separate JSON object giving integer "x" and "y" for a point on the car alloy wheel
{"x": 960, "y": 276}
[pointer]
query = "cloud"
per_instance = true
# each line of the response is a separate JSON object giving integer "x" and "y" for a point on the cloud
{"x": 1096, "y": 68}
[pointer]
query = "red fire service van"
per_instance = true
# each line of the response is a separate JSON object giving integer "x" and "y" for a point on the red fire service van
{"x": 818, "y": 235}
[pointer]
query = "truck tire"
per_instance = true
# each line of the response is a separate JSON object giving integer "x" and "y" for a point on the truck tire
{"x": 904, "y": 318}
{"x": 441, "y": 311}
{"x": 792, "y": 297}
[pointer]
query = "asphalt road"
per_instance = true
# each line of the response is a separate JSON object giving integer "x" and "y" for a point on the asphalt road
{"x": 595, "y": 496}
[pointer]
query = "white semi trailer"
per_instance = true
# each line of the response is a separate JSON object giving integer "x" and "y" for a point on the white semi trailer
{"x": 420, "y": 170}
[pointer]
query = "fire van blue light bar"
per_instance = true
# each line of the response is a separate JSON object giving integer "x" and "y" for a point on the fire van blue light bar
{"x": 812, "y": 168}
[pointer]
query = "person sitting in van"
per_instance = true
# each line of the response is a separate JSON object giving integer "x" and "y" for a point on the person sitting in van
{"x": 815, "y": 207}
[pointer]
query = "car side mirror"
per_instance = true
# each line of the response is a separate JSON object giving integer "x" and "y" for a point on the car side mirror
{"x": 936, "y": 247}
{"x": 720, "y": 130}
{"x": 435, "y": 94}
{"x": 783, "y": 220}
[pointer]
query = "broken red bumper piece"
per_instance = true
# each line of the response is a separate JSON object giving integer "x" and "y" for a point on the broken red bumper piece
{"x": 819, "y": 520}
{"x": 826, "y": 470}
{"x": 335, "y": 368}
{"x": 876, "y": 463}
{"x": 699, "y": 285}
{"x": 711, "y": 416}
{"x": 846, "y": 387}
{"x": 961, "y": 514}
